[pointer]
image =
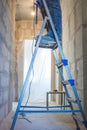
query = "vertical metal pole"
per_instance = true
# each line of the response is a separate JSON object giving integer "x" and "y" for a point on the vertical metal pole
{"x": 61, "y": 98}
{"x": 47, "y": 100}
{"x": 28, "y": 74}
{"x": 64, "y": 100}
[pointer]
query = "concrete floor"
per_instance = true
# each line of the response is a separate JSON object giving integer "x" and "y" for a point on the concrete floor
{"x": 41, "y": 122}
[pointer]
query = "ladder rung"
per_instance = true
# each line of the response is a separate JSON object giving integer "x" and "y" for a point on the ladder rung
{"x": 47, "y": 44}
{"x": 62, "y": 62}
{"x": 65, "y": 82}
{"x": 71, "y": 100}
{"x": 69, "y": 82}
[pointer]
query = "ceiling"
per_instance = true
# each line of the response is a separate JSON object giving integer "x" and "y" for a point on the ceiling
{"x": 24, "y": 9}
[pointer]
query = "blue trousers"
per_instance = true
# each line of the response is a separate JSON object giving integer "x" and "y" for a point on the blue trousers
{"x": 55, "y": 11}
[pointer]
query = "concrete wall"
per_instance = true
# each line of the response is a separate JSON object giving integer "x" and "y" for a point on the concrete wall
{"x": 84, "y": 18}
{"x": 26, "y": 29}
{"x": 74, "y": 14}
{"x": 6, "y": 44}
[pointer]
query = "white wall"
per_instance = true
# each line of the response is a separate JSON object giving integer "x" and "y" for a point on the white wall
{"x": 42, "y": 72}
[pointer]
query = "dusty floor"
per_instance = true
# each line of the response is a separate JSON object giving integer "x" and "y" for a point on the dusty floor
{"x": 41, "y": 122}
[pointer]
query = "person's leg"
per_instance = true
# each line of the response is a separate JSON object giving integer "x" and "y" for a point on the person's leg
{"x": 55, "y": 12}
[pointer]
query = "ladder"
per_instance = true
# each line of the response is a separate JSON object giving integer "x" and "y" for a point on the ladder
{"x": 66, "y": 83}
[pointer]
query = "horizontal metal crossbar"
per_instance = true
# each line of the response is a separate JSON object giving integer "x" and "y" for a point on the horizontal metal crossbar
{"x": 70, "y": 81}
{"x": 49, "y": 111}
{"x": 45, "y": 106}
{"x": 62, "y": 62}
{"x": 72, "y": 100}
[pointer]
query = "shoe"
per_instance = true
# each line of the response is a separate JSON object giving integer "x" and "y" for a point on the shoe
{"x": 47, "y": 42}
{"x": 46, "y": 39}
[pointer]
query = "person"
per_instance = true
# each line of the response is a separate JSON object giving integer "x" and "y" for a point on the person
{"x": 56, "y": 15}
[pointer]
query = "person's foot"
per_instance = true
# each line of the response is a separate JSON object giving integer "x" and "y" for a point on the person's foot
{"x": 46, "y": 39}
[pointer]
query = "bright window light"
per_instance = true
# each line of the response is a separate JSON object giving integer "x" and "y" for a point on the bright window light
{"x": 33, "y": 13}
{"x": 42, "y": 72}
